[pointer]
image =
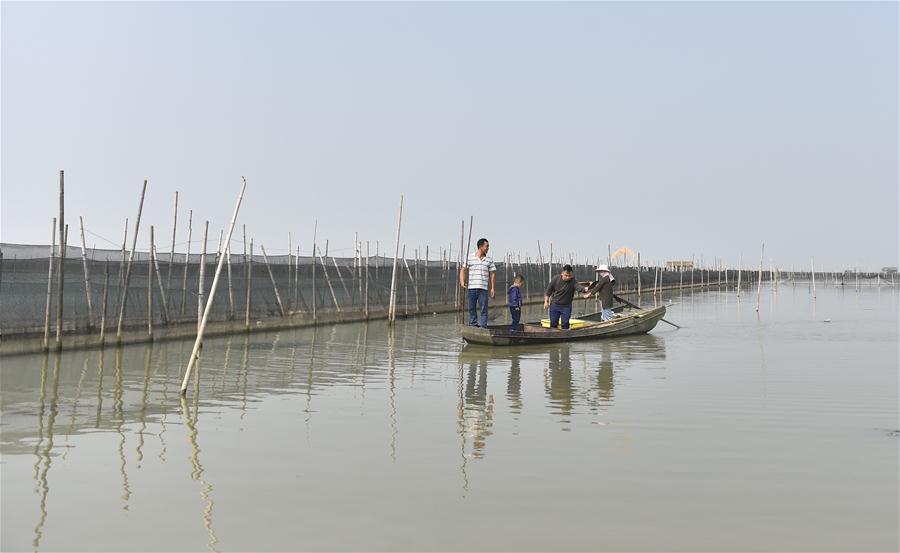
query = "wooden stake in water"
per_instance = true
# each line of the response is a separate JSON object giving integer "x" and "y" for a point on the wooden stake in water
{"x": 315, "y": 298}
{"x": 740, "y": 268}
{"x": 201, "y": 281}
{"x": 198, "y": 344}
{"x": 60, "y": 276}
{"x": 124, "y": 293}
{"x": 52, "y": 256}
{"x": 105, "y": 301}
{"x": 366, "y": 294}
{"x": 392, "y": 302}
{"x": 272, "y": 278}
{"x": 411, "y": 279}
{"x": 249, "y": 286}
{"x": 150, "y": 288}
{"x": 120, "y": 278}
{"x": 162, "y": 291}
{"x": 172, "y": 253}
{"x": 759, "y": 281}
{"x": 812, "y": 271}
{"x": 230, "y": 290}
{"x": 187, "y": 258}
{"x": 328, "y": 278}
{"x": 87, "y": 276}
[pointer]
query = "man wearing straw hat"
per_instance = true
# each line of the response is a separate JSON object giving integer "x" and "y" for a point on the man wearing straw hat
{"x": 604, "y": 290}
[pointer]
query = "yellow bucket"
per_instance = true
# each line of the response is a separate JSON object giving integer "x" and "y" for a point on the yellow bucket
{"x": 573, "y": 323}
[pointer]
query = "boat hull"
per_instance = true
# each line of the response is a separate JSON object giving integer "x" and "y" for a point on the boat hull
{"x": 637, "y": 322}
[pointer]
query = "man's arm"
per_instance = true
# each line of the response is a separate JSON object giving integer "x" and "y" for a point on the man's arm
{"x": 492, "y": 283}
{"x": 549, "y": 292}
{"x": 463, "y": 273}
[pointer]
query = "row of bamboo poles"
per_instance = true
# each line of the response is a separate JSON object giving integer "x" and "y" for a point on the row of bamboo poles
{"x": 359, "y": 276}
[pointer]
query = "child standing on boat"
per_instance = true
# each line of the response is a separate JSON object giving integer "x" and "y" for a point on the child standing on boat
{"x": 515, "y": 300}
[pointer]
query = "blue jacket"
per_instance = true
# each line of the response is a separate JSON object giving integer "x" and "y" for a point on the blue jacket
{"x": 515, "y": 296}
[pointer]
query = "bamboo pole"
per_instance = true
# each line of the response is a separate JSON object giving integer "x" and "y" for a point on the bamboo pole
{"x": 198, "y": 344}
{"x": 315, "y": 299}
{"x": 60, "y": 272}
{"x": 392, "y": 302}
{"x": 201, "y": 284}
{"x": 759, "y": 277}
{"x": 249, "y": 261}
{"x": 337, "y": 269}
{"x": 740, "y": 269}
{"x": 812, "y": 271}
{"x": 120, "y": 278}
{"x": 359, "y": 276}
{"x": 46, "y": 342}
{"x": 290, "y": 297}
{"x": 366, "y": 295}
{"x": 105, "y": 300}
{"x": 87, "y": 276}
{"x": 328, "y": 278}
{"x": 172, "y": 254}
{"x": 425, "y": 277}
{"x": 150, "y": 288}
{"x": 187, "y": 259}
{"x": 411, "y": 278}
{"x": 230, "y": 289}
{"x": 272, "y": 278}
{"x": 162, "y": 291}
{"x": 124, "y": 292}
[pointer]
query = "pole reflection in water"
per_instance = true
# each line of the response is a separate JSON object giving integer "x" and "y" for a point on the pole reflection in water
{"x": 190, "y": 423}
{"x": 119, "y": 414}
{"x": 44, "y": 457}
{"x": 392, "y": 366}
{"x": 514, "y": 385}
{"x": 142, "y": 415}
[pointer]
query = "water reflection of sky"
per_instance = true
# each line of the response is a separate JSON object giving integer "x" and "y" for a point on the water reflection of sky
{"x": 339, "y": 413}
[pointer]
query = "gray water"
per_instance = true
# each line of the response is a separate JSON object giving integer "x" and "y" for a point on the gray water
{"x": 776, "y": 431}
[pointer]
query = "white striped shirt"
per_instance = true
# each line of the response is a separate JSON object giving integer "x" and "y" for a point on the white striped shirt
{"x": 479, "y": 271}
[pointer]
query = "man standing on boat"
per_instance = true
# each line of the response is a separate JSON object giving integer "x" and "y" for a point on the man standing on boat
{"x": 559, "y": 295}
{"x": 479, "y": 269}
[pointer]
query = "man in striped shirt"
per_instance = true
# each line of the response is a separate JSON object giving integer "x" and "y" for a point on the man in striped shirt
{"x": 479, "y": 269}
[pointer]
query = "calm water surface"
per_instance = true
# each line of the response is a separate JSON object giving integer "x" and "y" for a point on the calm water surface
{"x": 776, "y": 431}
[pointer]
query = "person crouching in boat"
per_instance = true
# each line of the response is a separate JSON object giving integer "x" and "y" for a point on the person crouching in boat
{"x": 559, "y": 295}
{"x": 604, "y": 289}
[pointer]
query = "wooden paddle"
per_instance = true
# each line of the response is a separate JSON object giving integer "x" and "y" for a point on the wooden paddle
{"x": 629, "y": 304}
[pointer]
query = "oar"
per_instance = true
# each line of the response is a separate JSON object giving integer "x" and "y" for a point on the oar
{"x": 629, "y": 304}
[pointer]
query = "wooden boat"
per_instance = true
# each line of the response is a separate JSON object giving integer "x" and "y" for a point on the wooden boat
{"x": 624, "y": 324}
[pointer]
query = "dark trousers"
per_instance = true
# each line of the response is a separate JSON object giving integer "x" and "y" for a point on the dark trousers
{"x": 477, "y": 296}
{"x": 560, "y": 312}
{"x": 515, "y": 313}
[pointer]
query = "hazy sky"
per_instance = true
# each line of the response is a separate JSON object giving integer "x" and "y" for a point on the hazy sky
{"x": 677, "y": 129}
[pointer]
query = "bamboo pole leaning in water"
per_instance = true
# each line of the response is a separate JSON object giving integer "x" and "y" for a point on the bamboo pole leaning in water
{"x": 162, "y": 291}
{"x": 124, "y": 291}
{"x": 272, "y": 278}
{"x": 187, "y": 258}
{"x": 103, "y": 308}
{"x": 392, "y": 302}
{"x": 46, "y": 342}
{"x": 759, "y": 278}
{"x": 201, "y": 284}
{"x": 328, "y": 278}
{"x": 198, "y": 344}
{"x": 337, "y": 269}
{"x": 413, "y": 280}
{"x": 60, "y": 272}
{"x": 87, "y": 276}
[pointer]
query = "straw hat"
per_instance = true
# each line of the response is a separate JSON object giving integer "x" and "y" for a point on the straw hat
{"x": 602, "y": 268}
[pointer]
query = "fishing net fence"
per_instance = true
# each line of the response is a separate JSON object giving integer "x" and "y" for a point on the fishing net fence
{"x": 168, "y": 290}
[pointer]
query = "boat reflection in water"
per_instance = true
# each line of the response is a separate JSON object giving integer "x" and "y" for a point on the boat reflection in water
{"x": 573, "y": 377}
